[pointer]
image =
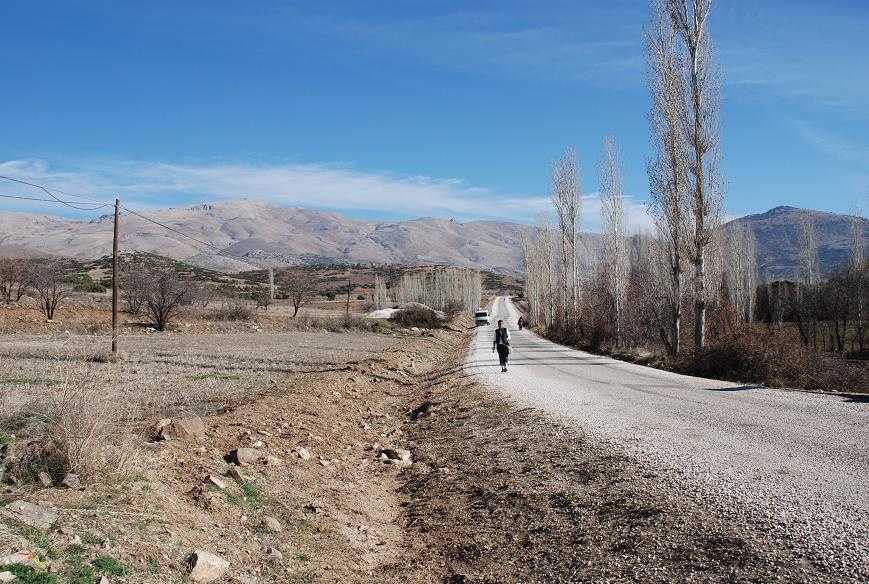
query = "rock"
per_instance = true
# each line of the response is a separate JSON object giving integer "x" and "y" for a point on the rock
{"x": 71, "y": 481}
{"x": 236, "y": 474}
{"x": 303, "y": 453}
{"x": 103, "y": 580}
{"x": 28, "y": 559}
{"x": 206, "y": 567}
{"x": 190, "y": 429}
{"x": 274, "y": 555}
{"x": 30, "y": 514}
{"x": 7, "y": 577}
{"x": 397, "y": 454}
{"x": 271, "y": 524}
{"x": 215, "y": 481}
{"x": 45, "y": 480}
{"x": 245, "y": 456}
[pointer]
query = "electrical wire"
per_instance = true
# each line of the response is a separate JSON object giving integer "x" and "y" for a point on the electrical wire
{"x": 50, "y": 192}
{"x": 32, "y": 199}
{"x": 54, "y": 199}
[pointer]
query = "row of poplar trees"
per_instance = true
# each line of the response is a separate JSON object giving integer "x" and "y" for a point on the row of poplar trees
{"x": 632, "y": 288}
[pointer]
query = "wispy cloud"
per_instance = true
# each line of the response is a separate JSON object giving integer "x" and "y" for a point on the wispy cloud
{"x": 338, "y": 187}
{"x": 837, "y": 147}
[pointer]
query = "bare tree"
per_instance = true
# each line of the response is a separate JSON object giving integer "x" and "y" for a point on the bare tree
{"x": 134, "y": 287}
{"x": 165, "y": 296}
{"x": 49, "y": 284}
{"x": 666, "y": 170}
{"x": 16, "y": 276}
{"x": 741, "y": 268}
{"x": 857, "y": 269}
{"x": 263, "y": 298}
{"x": 808, "y": 299}
{"x": 614, "y": 241}
{"x": 701, "y": 134}
{"x": 300, "y": 286}
{"x": 380, "y": 297}
{"x": 565, "y": 192}
{"x": 442, "y": 287}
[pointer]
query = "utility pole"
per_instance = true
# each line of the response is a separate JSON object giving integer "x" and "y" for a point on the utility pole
{"x": 272, "y": 283}
{"x": 115, "y": 334}
{"x": 348, "y": 297}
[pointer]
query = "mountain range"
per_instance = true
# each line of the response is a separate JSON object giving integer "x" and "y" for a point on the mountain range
{"x": 253, "y": 234}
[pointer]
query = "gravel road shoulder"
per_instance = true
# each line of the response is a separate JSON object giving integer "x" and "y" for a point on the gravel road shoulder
{"x": 500, "y": 494}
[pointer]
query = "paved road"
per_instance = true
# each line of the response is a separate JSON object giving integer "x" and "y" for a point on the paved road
{"x": 795, "y": 462}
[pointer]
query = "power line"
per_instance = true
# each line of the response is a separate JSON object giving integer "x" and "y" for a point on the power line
{"x": 54, "y": 190}
{"x": 56, "y": 199}
{"x": 37, "y": 199}
{"x": 181, "y": 233}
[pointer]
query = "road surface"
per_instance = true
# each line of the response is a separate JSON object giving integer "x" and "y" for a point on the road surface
{"x": 794, "y": 462}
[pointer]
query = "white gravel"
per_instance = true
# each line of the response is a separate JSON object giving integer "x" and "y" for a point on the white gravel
{"x": 793, "y": 463}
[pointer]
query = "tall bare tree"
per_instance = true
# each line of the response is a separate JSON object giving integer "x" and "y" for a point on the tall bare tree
{"x": 667, "y": 169}
{"x": 615, "y": 245}
{"x": 380, "y": 298}
{"x": 701, "y": 134}
{"x": 566, "y": 198}
{"x": 808, "y": 300}
{"x": 857, "y": 269}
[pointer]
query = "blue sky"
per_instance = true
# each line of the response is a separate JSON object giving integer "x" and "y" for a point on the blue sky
{"x": 410, "y": 108}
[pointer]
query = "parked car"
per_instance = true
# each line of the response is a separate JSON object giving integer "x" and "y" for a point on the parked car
{"x": 481, "y": 318}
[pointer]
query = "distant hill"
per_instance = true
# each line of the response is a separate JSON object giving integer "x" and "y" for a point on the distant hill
{"x": 256, "y": 234}
{"x": 778, "y": 240}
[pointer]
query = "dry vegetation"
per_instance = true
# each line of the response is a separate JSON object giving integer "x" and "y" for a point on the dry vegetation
{"x": 277, "y": 384}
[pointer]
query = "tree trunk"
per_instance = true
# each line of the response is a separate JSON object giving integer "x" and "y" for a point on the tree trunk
{"x": 700, "y": 305}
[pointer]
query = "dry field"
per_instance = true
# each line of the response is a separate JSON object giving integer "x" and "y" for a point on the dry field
{"x": 494, "y": 494}
{"x": 145, "y": 506}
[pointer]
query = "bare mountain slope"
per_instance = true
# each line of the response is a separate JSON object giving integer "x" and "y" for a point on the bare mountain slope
{"x": 255, "y": 233}
{"x": 778, "y": 233}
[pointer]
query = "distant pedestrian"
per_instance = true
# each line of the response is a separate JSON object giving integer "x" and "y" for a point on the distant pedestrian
{"x": 521, "y": 323}
{"x": 502, "y": 345}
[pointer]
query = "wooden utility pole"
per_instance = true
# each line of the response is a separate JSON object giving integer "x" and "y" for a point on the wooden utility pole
{"x": 348, "y": 297}
{"x": 115, "y": 331}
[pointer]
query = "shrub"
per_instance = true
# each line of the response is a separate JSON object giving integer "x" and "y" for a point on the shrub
{"x": 416, "y": 315}
{"x": 770, "y": 357}
{"x": 86, "y": 434}
{"x": 235, "y": 309}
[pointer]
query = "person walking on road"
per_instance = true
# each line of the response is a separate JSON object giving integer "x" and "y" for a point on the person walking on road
{"x": 502, "y": 344}
{"x": 521, "y": 323}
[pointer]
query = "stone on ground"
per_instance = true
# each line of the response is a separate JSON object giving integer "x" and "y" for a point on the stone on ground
{"x": 190, "y": 429}
{"x": 31, "y": 515}
{"x": 245, "y": 456}
{"x": 271, "y": 524}
{"x": 206, "y": 567}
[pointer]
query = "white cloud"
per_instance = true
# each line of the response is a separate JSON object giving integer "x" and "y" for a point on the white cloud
{"x": 320, "y": 186}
